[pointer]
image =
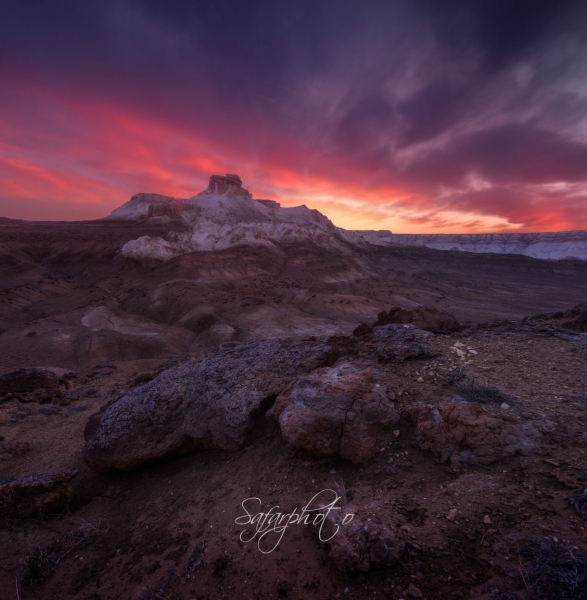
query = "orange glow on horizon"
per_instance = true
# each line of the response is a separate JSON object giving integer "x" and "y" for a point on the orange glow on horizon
{"x": 96, "y": 156}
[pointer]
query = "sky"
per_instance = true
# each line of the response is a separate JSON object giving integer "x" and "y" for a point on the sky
{"x": 419, "y": 116}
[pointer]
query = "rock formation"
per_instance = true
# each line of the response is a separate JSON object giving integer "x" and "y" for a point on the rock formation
{"x": 223, "y": 216}
{"x": 212, "y": 402}
{"x": 462, "y": 433}
{"x": 337, "y": 410}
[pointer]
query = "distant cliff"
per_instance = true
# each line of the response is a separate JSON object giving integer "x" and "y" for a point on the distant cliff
{"x": 553, "y": 246}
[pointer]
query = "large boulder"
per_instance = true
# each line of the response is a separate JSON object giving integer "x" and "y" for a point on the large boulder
{"x": 204, "y": 403}
{"x": 336, "y": 411}
{"x": 461, "y": 433}
{"x": 423, "y": 317}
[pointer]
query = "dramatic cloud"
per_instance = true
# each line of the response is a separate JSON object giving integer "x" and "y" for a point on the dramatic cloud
{"x": 415, "y": 115}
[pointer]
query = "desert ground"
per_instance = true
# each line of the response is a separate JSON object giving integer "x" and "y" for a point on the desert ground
{"x": 469, "y": 480}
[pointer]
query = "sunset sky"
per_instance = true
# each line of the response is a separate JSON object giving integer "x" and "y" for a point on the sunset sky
{"x": 416, "y": 116}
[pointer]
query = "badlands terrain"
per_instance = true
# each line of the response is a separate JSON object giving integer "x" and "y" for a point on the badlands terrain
{"x": 161, "y": 365}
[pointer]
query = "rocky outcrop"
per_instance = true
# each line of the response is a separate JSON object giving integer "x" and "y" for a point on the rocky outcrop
{"x": 37, "y": 494}
{"x": 423, "y": 317}
{"x": 204, "y": 403}
{"x": 337, "y": 411}
{"x": 212, "y": 402}
{"x": 364, "y": 542}
{"x": 224, "y": 216}
{"x": 461, "y": 433}
{"x": 227, "y": 185}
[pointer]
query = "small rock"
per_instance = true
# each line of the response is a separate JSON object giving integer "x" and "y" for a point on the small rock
{"x": 452, "y": 513}
{"x": 420, "y": 379}
{"x": 487, "y": 520}
{"x": 505, "y": 406}
{"x": 413, "y": 591}
{"x": 396, "y": 433}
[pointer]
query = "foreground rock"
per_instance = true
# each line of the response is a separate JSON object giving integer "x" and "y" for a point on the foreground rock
{"x": 204, "y": 403}
{"x": 37, "y": 494}
{"x": 337, "y": 411}
{"x": 461, "y": 434}
{"x": 212, "y": 402}
{"x": 362, "y": 544}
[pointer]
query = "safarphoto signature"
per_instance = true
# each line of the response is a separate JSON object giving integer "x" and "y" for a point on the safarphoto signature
{"x": 268, "y": 528}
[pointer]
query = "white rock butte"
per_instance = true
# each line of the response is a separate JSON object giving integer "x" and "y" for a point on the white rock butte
{"x": 225, "y": 215}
